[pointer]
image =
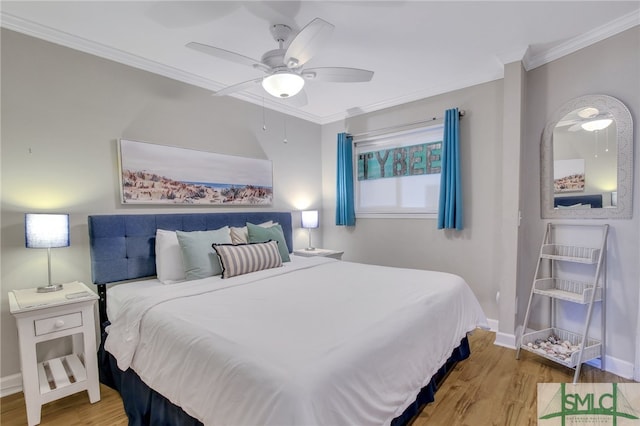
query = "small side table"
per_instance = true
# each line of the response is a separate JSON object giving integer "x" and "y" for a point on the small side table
{"x": 47, "y": 316}
{"x": 334, "y": 254}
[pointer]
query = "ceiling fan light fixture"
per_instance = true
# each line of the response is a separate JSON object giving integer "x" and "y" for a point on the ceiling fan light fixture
{"x": 591, "y": 126}
{"x": 283, "y": 84}
{"x": 588, "y": 112}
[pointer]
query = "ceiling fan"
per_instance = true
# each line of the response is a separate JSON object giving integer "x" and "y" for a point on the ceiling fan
{"x": 284, "y": 67}
{"x": 589, "y": 119}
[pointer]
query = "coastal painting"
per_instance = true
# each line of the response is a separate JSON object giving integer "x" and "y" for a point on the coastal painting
{"x": 568, "y": 175}
{"x": 159, "y": 174}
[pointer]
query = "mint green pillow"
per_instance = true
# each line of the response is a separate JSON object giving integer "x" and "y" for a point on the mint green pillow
{"x": 198, "y": 257}
{"x": 260, "y": 234}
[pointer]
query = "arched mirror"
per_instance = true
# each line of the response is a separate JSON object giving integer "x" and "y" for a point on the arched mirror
{"x": 586, "y": 161}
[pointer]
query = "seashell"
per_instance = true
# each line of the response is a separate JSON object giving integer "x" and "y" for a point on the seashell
{"x": 559, "y": 349}
{"x": 530, "y": 344}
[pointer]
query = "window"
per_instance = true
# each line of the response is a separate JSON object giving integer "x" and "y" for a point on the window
{"x": 398, "y": 175}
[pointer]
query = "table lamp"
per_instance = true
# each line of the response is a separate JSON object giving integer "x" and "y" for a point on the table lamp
{"x": 46, "y": 231}
{"x": 309, "y": 221}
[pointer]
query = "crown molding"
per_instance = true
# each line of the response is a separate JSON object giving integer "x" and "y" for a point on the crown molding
{"x": 530, "y": 62}
{"x": 414, "y": 96}
{"x": 597, "y": 34}
{"x": 43, "y": 32}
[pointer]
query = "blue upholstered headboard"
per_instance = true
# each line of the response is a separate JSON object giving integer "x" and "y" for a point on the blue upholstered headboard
{"x": 595, "y": 201}
{"x": 123, "y": 246}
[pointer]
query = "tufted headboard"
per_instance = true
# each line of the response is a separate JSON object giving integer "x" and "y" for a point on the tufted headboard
{"x": 123, "y": 246}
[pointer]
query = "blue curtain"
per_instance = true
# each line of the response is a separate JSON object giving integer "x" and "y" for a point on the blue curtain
{"x": 450, "y": 207}
{"x": 345, "y": 210}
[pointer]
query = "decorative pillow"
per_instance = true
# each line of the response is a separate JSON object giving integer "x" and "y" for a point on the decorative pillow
{"x": 238, "y": 259}
{"x": 169, "y": 266}
{"x": 198, "y": 257}
{"x": 259, "y": 234}
{"x": 241, "y": 235}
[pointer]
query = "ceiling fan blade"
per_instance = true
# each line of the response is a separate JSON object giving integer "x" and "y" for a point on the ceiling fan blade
{"x": 237, "y": 87}
{"x": 227, "y": 55}
{"x": 338, "y": 74}
{"x": 307, "y": 42}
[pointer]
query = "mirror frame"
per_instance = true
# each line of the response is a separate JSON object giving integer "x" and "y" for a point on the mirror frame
{"x": 624, "y": 140}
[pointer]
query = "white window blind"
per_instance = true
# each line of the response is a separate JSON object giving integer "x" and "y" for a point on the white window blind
{"x": 398, "y": 174}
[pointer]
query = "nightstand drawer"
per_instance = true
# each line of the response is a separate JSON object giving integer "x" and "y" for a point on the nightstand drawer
{"x": 62, "y": 322}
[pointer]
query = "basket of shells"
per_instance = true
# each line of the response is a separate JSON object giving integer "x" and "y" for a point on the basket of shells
{"x": 560, "y": 345}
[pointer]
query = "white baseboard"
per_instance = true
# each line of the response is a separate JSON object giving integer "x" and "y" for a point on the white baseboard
{"x": 615, "y": 366}
{"x": 10, "y": 384}
{"x": 505, "y": 340}
{"x": 502, "y": 339}
{"x": 493, "y": 324}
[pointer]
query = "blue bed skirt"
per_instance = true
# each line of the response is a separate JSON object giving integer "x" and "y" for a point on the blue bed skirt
{"x": 145, "y": 407}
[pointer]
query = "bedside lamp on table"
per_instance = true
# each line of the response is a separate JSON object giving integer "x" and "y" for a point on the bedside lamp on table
{"x": 310, "y": 221}
{"x": 47, "y": 231}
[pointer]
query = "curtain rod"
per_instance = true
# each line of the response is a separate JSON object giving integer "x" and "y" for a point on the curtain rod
{"x": 401, "y": 126}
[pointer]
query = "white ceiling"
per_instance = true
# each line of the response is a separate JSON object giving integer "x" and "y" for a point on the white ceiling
{"x": 416, "y": 48}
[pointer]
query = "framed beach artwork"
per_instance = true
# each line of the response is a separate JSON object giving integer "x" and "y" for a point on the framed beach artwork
{"x": 159, "y": 174}
{"x": 568, "y": 175}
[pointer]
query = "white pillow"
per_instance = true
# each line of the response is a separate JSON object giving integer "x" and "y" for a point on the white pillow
{"x": 241, "y": 235}
{"x": 169, "y": 266}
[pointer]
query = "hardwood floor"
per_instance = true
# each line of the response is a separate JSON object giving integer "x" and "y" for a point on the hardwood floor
{"x": 489, "y": 388}
{"x": 70, "y": 411}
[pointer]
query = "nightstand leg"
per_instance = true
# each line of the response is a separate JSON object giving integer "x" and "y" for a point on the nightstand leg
{"x": 30, "y": 382}
{"x": 91, "y": 361}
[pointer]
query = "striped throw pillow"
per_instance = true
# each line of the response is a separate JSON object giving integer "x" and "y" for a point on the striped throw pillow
{"x": 244, "y": 258}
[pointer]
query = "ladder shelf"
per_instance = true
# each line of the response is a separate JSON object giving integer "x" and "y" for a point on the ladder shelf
{"x": 568, "y": 348}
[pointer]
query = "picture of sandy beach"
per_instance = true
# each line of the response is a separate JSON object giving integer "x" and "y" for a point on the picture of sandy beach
{"x": 158, "y": 174}
{"x": 568, "y": 175}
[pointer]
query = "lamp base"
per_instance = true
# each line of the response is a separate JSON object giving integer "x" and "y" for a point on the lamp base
{"x": 50, "y": 288}
{"x": 310, "y": 248}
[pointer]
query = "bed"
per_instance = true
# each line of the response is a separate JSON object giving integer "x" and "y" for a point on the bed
{"x": 578, "y": 201}
{"x": 312, "y": 341}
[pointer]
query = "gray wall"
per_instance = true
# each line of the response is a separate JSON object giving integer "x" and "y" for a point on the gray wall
{"x": 492, "y": 152}
{"x": 473, "y": 253}
{"x": 62, "y": 112}
{"x": 610, "y": 67}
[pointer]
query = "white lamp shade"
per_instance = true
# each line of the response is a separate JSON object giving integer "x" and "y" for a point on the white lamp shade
{"x": 594, "y": 125}
{"x": 46, "y": 230}
{"x": 283, "y": 84}
{"x": 310, "y": 219}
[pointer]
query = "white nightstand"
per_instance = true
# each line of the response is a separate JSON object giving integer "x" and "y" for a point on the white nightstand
{"x": 319, "y": 252}
{"x": 47, "y": 316}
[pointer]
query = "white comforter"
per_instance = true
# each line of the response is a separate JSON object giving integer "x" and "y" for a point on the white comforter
{"x": 316, "y": 342}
